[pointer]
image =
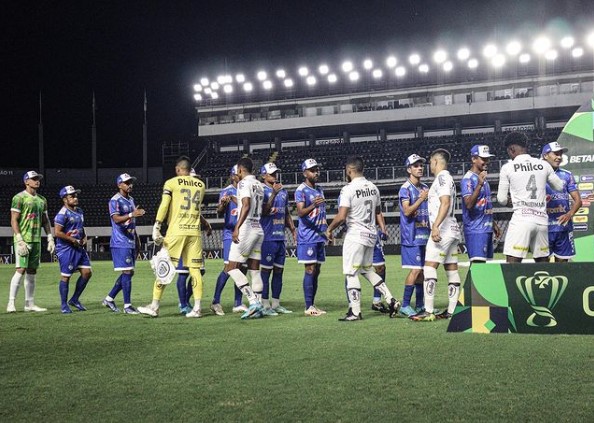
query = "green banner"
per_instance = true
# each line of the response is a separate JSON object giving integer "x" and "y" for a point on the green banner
{"x": 544, "y": 298}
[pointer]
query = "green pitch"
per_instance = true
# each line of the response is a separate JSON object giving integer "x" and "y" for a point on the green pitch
{"x": 101, "y": 366}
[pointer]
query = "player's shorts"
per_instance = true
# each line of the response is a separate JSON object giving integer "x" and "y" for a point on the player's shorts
{"x": 523, "y": 236}
{"x": 311, "y": 253}
{"x": 249, "y": 245}
{"x": 30, "y": 261}
{"x": 185, "y": 248}
{"x": 479, "y": 246}
{"x": 378, "y": 254}
{"x": 71, "y": 259}
{"x": 185, "y": 270}
{"x": 123, "y": 258}
{"x": 413, "y": 256}
{"x": 273, "y": 254}
{"x": 561, "y": 244}
{"x": 226, "y": 248}
{"x": 442, "y": 252}
{"x": 356, "y": 258}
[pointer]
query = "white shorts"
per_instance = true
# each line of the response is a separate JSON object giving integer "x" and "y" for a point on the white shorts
{"x": 442, "y": 252}
{"x": 356, "y": 258}
{"x": 523, "y": 236}
{"x": 250, "y": 243}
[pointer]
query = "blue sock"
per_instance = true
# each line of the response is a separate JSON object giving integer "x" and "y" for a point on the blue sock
{"x": 63, "y": 287}
{"x": 308, "y": 289}
{"x": 81, "y": 284}
{"x": 189, "y": 290}
{"x": 265, "y": 273}
{"x": 221, "y": 281}
{"x": 127, "y": 287}
{"x": 238, "y": 296}
{"x": 408, "y": 291}
{"x": 419, "y": 295}
{"x": 315, "y": 287}
{"x": 181, "y": 289}
{"x": 277, "y": 284}
{"x": 117, "y": 287}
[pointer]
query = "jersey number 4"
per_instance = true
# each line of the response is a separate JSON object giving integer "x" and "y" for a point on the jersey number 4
{"x": 190, "y": 199}
{"x": 531, "y": 186}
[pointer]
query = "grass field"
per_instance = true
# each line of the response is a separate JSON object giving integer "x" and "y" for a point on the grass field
{"x": 101, "y": 366}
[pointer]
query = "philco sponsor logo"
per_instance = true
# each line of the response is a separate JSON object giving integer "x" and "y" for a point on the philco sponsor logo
{"x": 535, "y": 286}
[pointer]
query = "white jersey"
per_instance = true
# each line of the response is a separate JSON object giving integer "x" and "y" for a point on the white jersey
{"x": 362, "y": 198}
{"x": 250, "y": 187}
{"x": 443, "y": 185}
{"x": 526, "y": 179}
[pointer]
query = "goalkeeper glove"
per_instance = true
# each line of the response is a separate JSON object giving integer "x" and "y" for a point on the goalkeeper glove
{"x": 51, "y": 245}
{"x": 157, "y": 237}
{"x": 22, "y": 247}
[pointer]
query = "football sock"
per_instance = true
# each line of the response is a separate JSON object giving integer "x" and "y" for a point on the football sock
{"x": 419, "y": 295}
{"x": 257, "y": 284}
{"x": 238, "y": 296}
{"x": 30, "y": 289}
{"x": 265, "y": 276}
{"x": 277, "y": 284}
{"x": 377, "y": 295}
{"x": 353, "y": 286}
{"x": 408, "y": 291}
{"x": 117, "y": 287}
{"x": 429, "y": 287}
{"x": 15, "y": 284}
{"x": 453, "y": 289}
{"x": 196, "y": 286}
{"x": 127, "y": 288}
{"x": 158, "y": 290}
{"x": 308, "y": 289}
{"x": 189, "y": 289}
{"x": 315, "y": 285}
{"x": 242, "y": 283}
{"x": 275, "y": 302}
{"x": 81, "y": 284}
{"x": 182, "y": 291}
{"x": 221, "y": 281}
{"x": 378, "y": 284}
{"x": 63, "y": 288}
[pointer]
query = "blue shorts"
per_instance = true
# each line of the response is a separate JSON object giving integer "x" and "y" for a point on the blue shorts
{"x": 561, "y": 244}
{"x": 311, "y": 253}
{"x": 71, "y": 259}
{"x": 413, "y": 256}
{"x": 123, "y": 258}
{"x": 378, "y": 254}
{"x": 273, "y": 254}
{"x": 226, "y": 248}
{"x": 479, "y": 246}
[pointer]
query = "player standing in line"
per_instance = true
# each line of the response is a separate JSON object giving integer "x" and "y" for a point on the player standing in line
{"x": 559, "y": 209}
{"x": 442, "y": 247}
{"x": 275, "y": 217}
{"x": 124, "y": 242}
{"x": 360, "y": 207}
{"x": 414, "y": 233}
{"x": 311, "y": 238}
{"x": 247, "y": 238}
{"x": 28, "y": 213}
{"x": 228, "y": 206}
{"x": 526, "y": 179}
{"x": 477, "y": 208}
{"x": 180, "y": 209}
{"x": 70, "y": 248}
{"x": 379, "y": 265}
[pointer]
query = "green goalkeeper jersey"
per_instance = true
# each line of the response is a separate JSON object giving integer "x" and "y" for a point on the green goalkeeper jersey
{"x": 32, "y": 208}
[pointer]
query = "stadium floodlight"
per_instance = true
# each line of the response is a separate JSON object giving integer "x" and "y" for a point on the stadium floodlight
{"x": 228, "y": 89}
{"x": 248, "y": 87}
{"x": 440, "y": 56}
{"x": 261, "y": 75}
{"x": 221, "y": 79}
{"x": 498, "y": 60}
{"x": 400, "y": 71}
{"x": 197, "y": 88}
{"x": 490, "y": 51}
{"x": 513, "y": 48}
{"x": 228, "y": 79}
{"x": 577, "y": 52}
{"x": 524, "y": 58}
{"x": 551, "y": 55}
{"x": 463, "y": 53}
{"x": 391, "y": 62}
{"x": 541, "y": 45}
{"x": 197, "y": 97}
{"x": 332, "y": 78}
{"x": 414, "y": 59}
{"x": 367, "y": 64}
{"x": 214, "y": 85}
{"x": 567, "y": 42}
{"x": 267, "y": 85}
{"x": 311, "y": 80}
{"x": 448, "y": 66}
{"x": 303, "y": 71}
{"x": 354, "y": 76}
{"x": 207, "y": 90}
{"x": 377, "y": 73}
{"x": 473, "y": 63}
{"x": 323, "y": 69}
{"x": 288, "y": 82}
{"x": 204, "y": 82}
{"x": 347, "y": 66}
{"x": 240, "y": 78}
{"x": 214, "y": 95}
{"x": 590, "y": 39}
{"x": 424, "y": 68}
{"x": 280, "y": 73}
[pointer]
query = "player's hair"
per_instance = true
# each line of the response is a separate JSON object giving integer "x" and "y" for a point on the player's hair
{"x": 246, "y": 163}
{"x": 516, "y": 138}
{"x": 443, "y": 154}
{"x": 356, "y": 162}
{"x": 183, "y": 162}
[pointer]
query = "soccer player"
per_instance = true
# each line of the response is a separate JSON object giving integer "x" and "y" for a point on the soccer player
{"x": 414, "y": 233}
{"x": 442, "y": 247}
{"x": 124, "y": 242}
{"x": 311, "y": 238}
{"x": 70, "y": 248}
{"x": 275, "y": 217}
{"x": 228, "y": 206}
{"x": 247, "y": 238}
{"x": 379, "y": 264}
{"x": 180, "y": 209}
{"x": 360, "y": 207}
{"x": 28, "y": 214}
{"x": 526, "y": 179}
{"x": 477, "y": 208}
{"x": 559, "y": 209}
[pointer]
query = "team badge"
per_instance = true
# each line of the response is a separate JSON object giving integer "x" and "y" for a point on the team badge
{"x": 310, "y": 251}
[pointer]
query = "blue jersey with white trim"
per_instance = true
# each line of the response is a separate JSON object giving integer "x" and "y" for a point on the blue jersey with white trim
{"x": 478, "y": 219}
{"x": 558, "y": 201}
{"x": 312, "y": 227}
{"x": 230, "y": 211}
{"x": 414, "y": 230}
{"x": 123, "y": 235}
{"x": 72, "y": 223}
{"x": 273, "y": 223}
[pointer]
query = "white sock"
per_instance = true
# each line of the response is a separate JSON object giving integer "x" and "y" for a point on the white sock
{"x": 453, "y": 289}
{"x": 15, "y": 284}
{"x": 257, "y": 283}
{"x": 29, "y": 289}
{"x": 155, "y": 304}
{"x": 379, "y": 284}
{"x": 242, "y": 283}
{"x": 108, "y": 298}
{"x": 265, "y": 302}
{"x": 354, "y": 294}
{"x": 275, "y": 303}
{"x": 430, "y": 283}
{"x": 197, "y": 305}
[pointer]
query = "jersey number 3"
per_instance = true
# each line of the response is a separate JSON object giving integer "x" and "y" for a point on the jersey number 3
{"x": 190, "y": 199}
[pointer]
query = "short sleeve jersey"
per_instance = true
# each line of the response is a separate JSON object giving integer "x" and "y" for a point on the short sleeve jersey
{"x": 123, "y": 235}
{"x": 558, "y": 201}
{"x": 250, "y": 187}
{"x": 230, "y": 217}
{"x": 31, "y": 209}
{"x": 312, "y": 227}
{"x": 414, "y": 230}
{"x": 443, "y": 185}
{"x": 362, "y": 198}
{"x": 273, "y": 223}
{"x": 479, "y": 218}
{"x": 180, "y": 205}
{"x": 72, "y": 223}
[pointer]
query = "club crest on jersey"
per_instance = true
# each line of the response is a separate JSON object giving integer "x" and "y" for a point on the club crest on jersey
{"x": 269, "y": 258}
{"x": 310, "y": 251}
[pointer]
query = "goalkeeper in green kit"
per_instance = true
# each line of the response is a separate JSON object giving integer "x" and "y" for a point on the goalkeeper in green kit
{"x": 28, "y": 214}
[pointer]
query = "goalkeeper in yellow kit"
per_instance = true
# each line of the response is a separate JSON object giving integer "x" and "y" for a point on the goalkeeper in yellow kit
{"x": 180, "y": 208}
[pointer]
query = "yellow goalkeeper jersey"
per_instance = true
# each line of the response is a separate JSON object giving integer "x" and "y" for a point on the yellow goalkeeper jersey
{"x": 180, "y": 205}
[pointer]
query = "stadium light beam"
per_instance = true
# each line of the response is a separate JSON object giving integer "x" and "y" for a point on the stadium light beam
{"x": 323, "y": 69}
{"x": 332, "y": 78}
{"x": 204, "y": 81}
{"x": 367, "y": 64}
{"x": 463, "y": 53}
{"x": 473, "y": 63}
{"x": 541, "y": 45}
{"x": 354, "y": 76}
{"x": 197, "y": 88}
{"x": 288, "y": 82}
{"x": 197, "y": 97}
{"x": 303, "y": 71}
{"x": 261, "y": 75}
{"x": 221, "y": 79}
{"x": 400, "y": 71}
{"x": 490, "y": 51}
{"x": 377, "y": 73}
{"x": 590, "y": 40}
{"x": 567, "y": 42}
{"x": 577, "y": 52}
{"x": 214, "y": 85}
{"x": 280, "y": 73}
{"x": 214, "y": 95}
{"x": 347, "y": 66}
{"x": 424, "y": 68}
{"x": 551, "y": 55}
{"x": 513, "y": 48}
{"x": 207, "y": 90}
{"x": 498, "y": 60}
{"x": 267, "y": 85}
{"x": 440, "y": 56}
{"x": 228, "y": 89}
{"x": 240, "y": 78}
{"x": 414, "y": 59}
{"x": 311, "y": 80}
{"x": 391, "y": 62}
{"x": 448, "y": 66}
{"x": 248, "y": 87}
{"x": 524, "y": 58}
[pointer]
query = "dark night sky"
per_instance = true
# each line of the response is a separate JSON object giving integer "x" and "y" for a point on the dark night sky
{"x": 68, "y": 49}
